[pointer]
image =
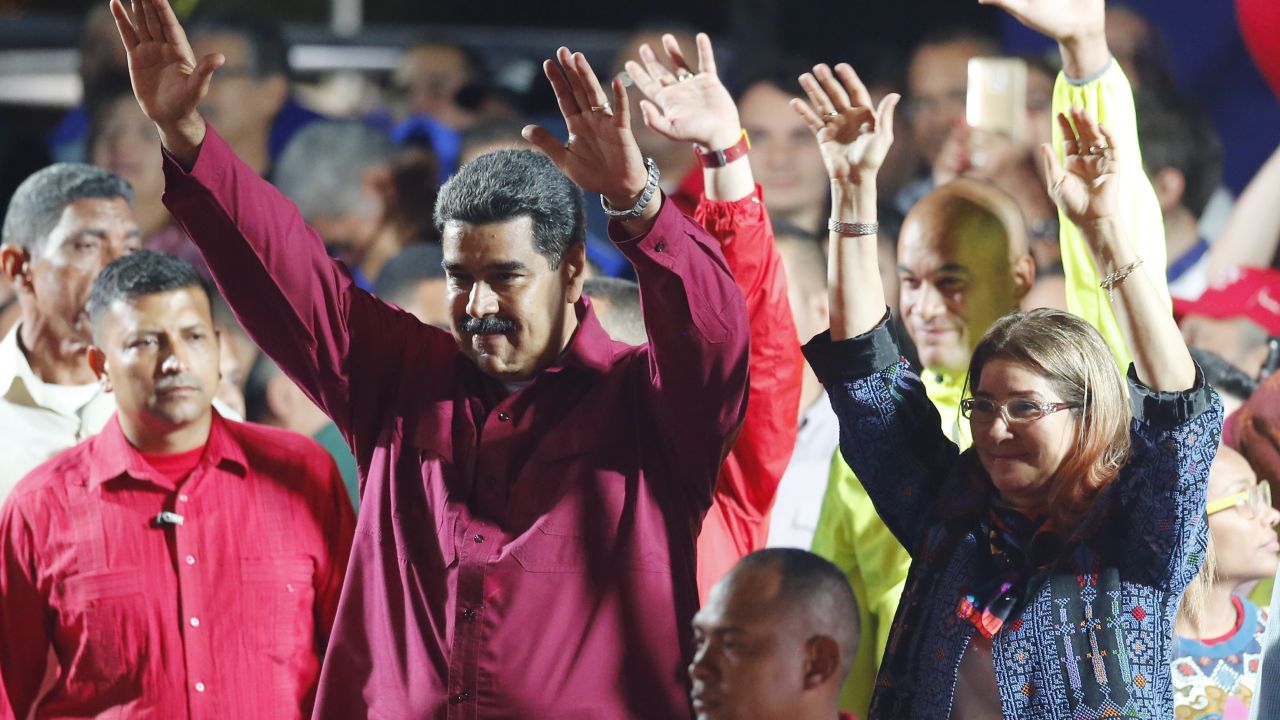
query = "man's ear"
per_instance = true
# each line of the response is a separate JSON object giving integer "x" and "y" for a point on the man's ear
{"x": 14, "y": 262}
{"x": 98, "y": 363}
{"x": 1024, "y": 276}
{"x": 573, "y": 265}
{"x": 1170, "y": 185}
{"x": 822, "y": 660}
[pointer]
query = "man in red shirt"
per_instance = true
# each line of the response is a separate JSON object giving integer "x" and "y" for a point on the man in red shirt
{"x": 531, "y": 490}
{"x": 177, "y": 565}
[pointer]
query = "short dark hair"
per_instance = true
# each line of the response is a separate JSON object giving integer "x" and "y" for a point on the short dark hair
{"x": 414, "y": 264}
{"x": 957, "y": 33}
{"x": 40, "y": 199}
{"x": 814, "y": 583}
{"x": 623, "y": 298}
{"x": 507, "y": 184}
{"x": 137, "y": 274}
{"x": 268, "y": 51}
{"x": 1175, "y": 132}
{"x": 492, "y": 130}
{"x": 782, "y": 72}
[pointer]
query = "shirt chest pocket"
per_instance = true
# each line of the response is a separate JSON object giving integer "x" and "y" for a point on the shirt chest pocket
{"x": 106, "y": 630}
{"x": 588, "y": 513}
{"x": 281, "y": 605}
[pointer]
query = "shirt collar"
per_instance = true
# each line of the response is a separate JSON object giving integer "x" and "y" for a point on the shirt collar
{"x": 590, "y": 348}
{"x": 945, "y": 390}
{"x": 10, "y": 358}
{"x": 114, "y": 457}
{"x": 19, "y": 383}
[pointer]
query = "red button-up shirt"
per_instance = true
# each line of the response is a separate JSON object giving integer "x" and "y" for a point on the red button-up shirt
{"x": 225, "y": 615}
{"x": 738, "y": 520}
{"x": 528, "y": 555}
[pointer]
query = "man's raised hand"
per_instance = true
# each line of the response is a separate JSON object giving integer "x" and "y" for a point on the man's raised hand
{"x": 168, "y": 80}
{"x": 853, "y": 137}
{"x": 601, "y": 155}
{"x": 681, "y": 104}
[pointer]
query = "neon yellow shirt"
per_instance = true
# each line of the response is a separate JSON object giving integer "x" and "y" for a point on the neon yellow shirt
{"x": 1109, "y": 97}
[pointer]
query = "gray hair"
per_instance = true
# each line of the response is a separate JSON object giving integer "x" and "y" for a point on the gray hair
{"x": 38, "y": 202}
{"x": 507, "y": 184}
{"x": 618, "y": 308}
{"x": 322, "y": 168}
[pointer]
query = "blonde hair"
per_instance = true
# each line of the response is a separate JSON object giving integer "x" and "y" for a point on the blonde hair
{"x": 1071, "y": 355}
{"x": 1196, "y": 597}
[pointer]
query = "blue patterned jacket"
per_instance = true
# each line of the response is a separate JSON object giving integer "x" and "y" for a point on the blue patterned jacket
{"x": 1096, "y": 639}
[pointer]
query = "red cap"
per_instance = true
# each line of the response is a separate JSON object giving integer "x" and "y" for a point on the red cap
{"x": 1252, "y": 293}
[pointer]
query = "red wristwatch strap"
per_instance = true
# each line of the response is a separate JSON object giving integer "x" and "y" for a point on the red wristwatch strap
{"x": 720, "y": 158}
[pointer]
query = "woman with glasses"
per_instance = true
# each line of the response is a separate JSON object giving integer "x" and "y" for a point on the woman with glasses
{"x": 1219, "y": 631}
{"x": 1048, "y": 560}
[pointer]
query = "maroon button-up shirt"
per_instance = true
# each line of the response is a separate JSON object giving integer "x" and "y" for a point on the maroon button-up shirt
{"x": 222, "y": 616}
{"x": 516, "y": 556}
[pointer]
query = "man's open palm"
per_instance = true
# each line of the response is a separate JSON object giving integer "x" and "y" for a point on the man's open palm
{"x": 167, "y": 80}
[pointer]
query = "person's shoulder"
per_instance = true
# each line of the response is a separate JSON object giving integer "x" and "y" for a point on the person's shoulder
{"x": 63, "y": 469}
{"x": 264, "y": 441}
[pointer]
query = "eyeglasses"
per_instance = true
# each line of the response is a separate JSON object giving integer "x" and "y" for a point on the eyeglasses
{"x": 1015, "y": 412}
{"x": 1251, "y": 503}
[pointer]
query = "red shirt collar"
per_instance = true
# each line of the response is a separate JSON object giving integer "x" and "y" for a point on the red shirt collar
{"x": 113, "y": 456}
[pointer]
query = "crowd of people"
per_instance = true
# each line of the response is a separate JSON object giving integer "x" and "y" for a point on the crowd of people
{"x": 855, "y": 409}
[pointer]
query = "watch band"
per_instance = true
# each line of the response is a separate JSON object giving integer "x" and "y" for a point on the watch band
{"x": 720, "y": 158}
{"x": 650, "y": 188}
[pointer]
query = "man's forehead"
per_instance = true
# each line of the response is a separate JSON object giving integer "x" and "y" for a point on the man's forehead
{"x": 183, "y": 306}
{"x": 507, "y": 240}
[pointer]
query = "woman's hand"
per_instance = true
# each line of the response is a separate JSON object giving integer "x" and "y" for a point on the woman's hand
{"x": 1086, "y": 185}
{"x": 854, "y": 137}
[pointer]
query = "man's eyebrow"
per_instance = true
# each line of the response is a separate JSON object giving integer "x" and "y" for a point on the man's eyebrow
{"x": 509, "y": 266}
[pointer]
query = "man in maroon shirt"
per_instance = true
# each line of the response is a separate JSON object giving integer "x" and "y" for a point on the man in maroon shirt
{"x": 177, "y": 565}
{"x": 532, "y": 491}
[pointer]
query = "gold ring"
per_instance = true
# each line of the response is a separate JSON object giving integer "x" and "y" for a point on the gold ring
{"x": 607, "y": 107}
{"x": 683, "y": 74}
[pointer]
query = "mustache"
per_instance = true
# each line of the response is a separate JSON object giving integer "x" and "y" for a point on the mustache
{"x": 486, "y": 325}
{"x": 175, "y": 381}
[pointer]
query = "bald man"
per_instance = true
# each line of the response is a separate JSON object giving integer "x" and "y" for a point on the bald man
{"x": 962, "y": 263}
{"x": 775, "y": 640}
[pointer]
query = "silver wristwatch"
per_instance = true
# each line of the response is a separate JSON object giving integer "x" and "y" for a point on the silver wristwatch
{"x": 650, "y": 188}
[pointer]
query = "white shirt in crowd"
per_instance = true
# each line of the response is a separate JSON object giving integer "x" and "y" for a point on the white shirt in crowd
{"x": 799, "y": 502}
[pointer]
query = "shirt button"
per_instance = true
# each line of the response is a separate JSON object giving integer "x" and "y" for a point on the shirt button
{"x": 660, "y": 247}
{"x": 195, "y": 622}
{"x": 182, "y": 498}
{"x": 469, "y": 615}
{"x": 461, "y": 697}
{"x": 199, "y": 687}
{"x": 191, "y": 559}
{"x": 503, "y": 417}
{"x": 477, "y": 539}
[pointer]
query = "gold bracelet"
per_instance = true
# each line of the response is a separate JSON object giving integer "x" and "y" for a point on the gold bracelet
{"x": 1109, "y": 282}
